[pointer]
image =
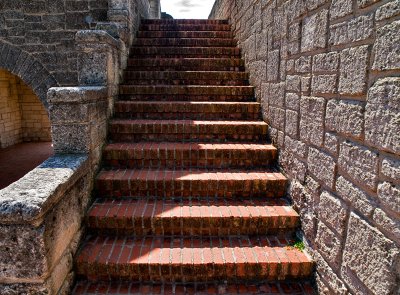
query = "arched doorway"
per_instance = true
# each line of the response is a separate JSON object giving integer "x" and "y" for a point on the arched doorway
{"x": 25, "y": 135}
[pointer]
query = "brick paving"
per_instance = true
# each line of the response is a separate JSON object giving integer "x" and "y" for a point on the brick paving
{"x": 189, "y": 200}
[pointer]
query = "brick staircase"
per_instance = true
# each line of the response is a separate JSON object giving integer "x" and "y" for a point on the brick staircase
{"x": 189, "y": 200}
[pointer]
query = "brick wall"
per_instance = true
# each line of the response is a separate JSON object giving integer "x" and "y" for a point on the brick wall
{"x": 327, "y": 76}
{"x": 22, "y": 115}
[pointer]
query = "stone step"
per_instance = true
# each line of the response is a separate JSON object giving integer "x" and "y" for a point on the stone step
{"x": 187, "y": 110}
{"x": 188, "y": 155}
{"x": 180, "y": 52}
{"x": 184, "y": 21}
{"x": 191, "y": 217}
{"x": 186, "y": 42}
{"x": 186, "y": 130}
{"x": 186, "y": 64}
{"x": 186, "y": 90}
{"x": 298, "y": 287}
{"x": 186, "y": 34}
{"x": 184, "y": 27}
{"x": 190, "y": 182}
{"x": 186, "y": 78}
{"x": 175, "y": 259}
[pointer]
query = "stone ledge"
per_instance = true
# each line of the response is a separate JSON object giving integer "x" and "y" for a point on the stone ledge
{"x": 30, "y": 198}
{"x": 57, "y": 95}
{"x": 97, "y": 37}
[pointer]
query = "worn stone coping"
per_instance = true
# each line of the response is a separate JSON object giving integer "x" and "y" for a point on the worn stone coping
{"x": 97, "y": 37}
{"x": 77, "y": 94}
{"x": 30, "y": 198}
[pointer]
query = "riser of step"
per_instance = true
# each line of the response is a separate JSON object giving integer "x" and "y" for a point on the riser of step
{"x": 186, "y": 98}
{"x": 184, "y": 22}
{"x": 298, "y": 287}
{"x": 196, "y": 217}
{"x": 187, "y": 183}
{"x": 185, "y": 34}
{"x": 185, "y": 64}
{"x": 188, "y": 155}
{"x": 186, "y": 78}
{"x": 192, "y": 259}
{"x": 185, "y": 27}
{"x": 186, "y": 90}
{"x": 185, "y": 130}
{"x": 186, "y": 42}
{"x": 179, "y": 52}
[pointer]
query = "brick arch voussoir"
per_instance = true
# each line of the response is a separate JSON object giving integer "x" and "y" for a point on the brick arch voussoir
{"x": 28, "y": 68}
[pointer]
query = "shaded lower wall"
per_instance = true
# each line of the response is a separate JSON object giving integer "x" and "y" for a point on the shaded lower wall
{"x": 327, "y": 75}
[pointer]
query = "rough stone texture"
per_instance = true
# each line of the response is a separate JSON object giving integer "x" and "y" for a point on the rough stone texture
{"x": 353, "y": 70}
{"x": 346, "y": 56}
{"x": 382, "y": 115}
{"x": 345, "y": 116}
{"x": 328, "y": 245}
{"x": 360, "y": 163}
{"x": 366, "y": 243}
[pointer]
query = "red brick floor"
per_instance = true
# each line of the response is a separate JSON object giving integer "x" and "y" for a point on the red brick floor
{"x": 19, "y": 159}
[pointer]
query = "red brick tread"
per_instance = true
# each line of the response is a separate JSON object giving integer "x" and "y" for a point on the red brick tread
{"x": 186, "y": 130}
{"x": 176, "y": 155}
{"x": 193, "y": 216}
{"x": 187, "y": 90}
{"x": 191, "y": 259}
{"x": 137, "y": 51}
{"x": 185, "y": 34}
{"x": 222, "y": 78}
{"x": 190, "y": 182}
{"x": 186, "y": 42}
{"x": 185, "y": 27}
{"x": 186, "y": 64}
{"x": 211, "y": 288}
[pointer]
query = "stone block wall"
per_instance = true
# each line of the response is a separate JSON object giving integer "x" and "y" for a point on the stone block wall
{"x": 327, "y": 75}
{"x": 22, "y": 115}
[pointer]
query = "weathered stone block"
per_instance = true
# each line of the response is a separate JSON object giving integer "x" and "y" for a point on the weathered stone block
{"x": 333, "y": 211}
{"x": 296, "y": 168}
{"x": 296, "y": 147}
{"x": 387, "y": 224}
{"x": 326, "y": 62}
{"x": 340, "y": 8}
{"x": 355, "y": 196}
{"x": 292, "y": 120}
{"x": 329, "y": 245}
{"x": 323, "y": 84}
{"x": 389, "y": 196}
{"x": 388, "y": 10}
{"x": 335, "y": 284}
{"x": 274, "y": 93}
{"x": 331, "y": 143}
{"x": 391, "y": 168}
{"x": 322, "y": 166}
{"x": 387, "y": 47}
{"x": 314, "y": 31}
{"x": 312, "y": 112}
{"x": 360, "y": 163}
{"x": 382, "y": 115}
{"x": 277, "y": 118}
{"x": 353, "y": 70}
{"x": 292, "y": 101}
{"x": 273, "y": 62}
{"x": 360, "y": 28}
{"x": 379, "y": 257}
{"x": 365, "y": 3}
{"x": 293, "y": 83}
{"x": 303, "y": 64}
{"x": 345, "y": 117}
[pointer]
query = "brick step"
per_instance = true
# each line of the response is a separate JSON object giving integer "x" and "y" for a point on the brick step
{"x": 184, "y": 27}
{"x": 186, "y": 78}
{"x": 194, "y": 217}
{"x": 186, "y": 90}
{"x": 298, "y": 287}
{"x": 191, "y": 259}
{"x": 186, "y": 98}
{"x": 190, "y": 182}
{"x": 187, "y": 110}
{"x": 187, "y": 42}
{"x": 186, "y": 64}
{"x": 184, "y": 21}
{"x": 179, "y": 52}
{"x": 186, "y": 130}
{"x": 188, "y": 155}
{"x": 185, "y": 34}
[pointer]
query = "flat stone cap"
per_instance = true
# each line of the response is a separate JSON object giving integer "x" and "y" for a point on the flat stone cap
{"x": 28, "y": 199}
{"x": 76, "y": 94}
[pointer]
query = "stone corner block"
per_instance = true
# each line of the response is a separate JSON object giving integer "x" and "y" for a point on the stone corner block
{"x": 82, "y": 94}
{"x": 95, "y": 37}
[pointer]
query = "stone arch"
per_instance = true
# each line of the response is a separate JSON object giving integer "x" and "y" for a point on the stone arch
{"x": 29, "y": 69}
